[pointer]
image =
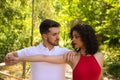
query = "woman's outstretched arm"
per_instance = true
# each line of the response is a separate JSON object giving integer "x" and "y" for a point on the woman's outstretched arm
{"x": 45, "y": 58}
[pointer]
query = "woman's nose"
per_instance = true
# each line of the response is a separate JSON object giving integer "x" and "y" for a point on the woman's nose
{"x": 73, "y": 39}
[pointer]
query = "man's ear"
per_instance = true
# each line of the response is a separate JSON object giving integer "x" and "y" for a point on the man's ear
{"x": 44, "y": 36}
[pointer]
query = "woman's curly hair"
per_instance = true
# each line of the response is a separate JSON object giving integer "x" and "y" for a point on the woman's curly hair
{"x": 88, "y": 37}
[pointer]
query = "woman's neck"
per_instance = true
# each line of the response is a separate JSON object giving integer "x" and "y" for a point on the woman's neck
{"x": 83, "y": 51}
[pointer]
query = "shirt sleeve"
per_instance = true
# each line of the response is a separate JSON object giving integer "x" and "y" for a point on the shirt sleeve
{"x": 25, "y": 52}
{"x": 64, "y": 50}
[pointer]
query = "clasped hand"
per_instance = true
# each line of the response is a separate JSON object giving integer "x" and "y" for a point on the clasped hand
{"x": 11, "y": 59}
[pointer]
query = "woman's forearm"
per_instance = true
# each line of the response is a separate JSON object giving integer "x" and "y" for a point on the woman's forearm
{"x": 43, "y": 58}
{"x": 37, "y": 58}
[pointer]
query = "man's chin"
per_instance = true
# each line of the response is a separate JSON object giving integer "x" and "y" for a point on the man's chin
{"x": 56, "y": 44}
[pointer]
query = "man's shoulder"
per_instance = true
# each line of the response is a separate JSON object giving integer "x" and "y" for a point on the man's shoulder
{"x": 32, "y": 47}
{"x": 61, "y": 49}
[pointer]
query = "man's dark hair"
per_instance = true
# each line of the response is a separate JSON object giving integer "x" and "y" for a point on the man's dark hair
{"x": 87, "y": 34}
{"x": 46, "y": 24}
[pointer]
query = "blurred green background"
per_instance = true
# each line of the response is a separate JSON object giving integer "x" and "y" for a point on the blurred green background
{"x": 102, "y": 15}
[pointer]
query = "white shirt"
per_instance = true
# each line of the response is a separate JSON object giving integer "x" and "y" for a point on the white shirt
{"x": 44, "y": 70}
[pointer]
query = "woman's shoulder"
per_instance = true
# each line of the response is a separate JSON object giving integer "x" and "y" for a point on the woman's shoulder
{"x": 99, "y": 57}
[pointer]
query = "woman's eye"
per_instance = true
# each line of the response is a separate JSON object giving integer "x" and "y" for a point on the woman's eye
{"x": 77, "y": 36}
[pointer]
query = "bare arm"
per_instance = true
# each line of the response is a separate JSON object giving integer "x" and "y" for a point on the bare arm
{"x": 43, "y": 58}
{"x": 100, "y": 59}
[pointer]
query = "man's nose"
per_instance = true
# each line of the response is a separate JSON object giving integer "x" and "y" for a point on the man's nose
{"x": 58, "y": 36}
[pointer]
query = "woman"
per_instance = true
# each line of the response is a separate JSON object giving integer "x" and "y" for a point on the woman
{"x": 86, "y": 63}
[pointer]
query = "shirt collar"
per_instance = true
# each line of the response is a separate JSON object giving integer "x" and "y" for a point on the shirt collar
{"x": 44, "y": 48}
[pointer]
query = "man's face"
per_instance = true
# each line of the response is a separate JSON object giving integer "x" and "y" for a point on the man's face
{"x": 52, "y": 37}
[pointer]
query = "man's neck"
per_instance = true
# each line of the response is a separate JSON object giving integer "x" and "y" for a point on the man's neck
{"x": 48, "y": 46}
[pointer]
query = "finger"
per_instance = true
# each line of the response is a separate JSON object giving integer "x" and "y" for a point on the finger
{"x": 13, "y": 62}
{"x": 8, "y": 56}
{"x": 6, "y": 59}
{"x": 72, "y": 55}
{"x": 68, "y": 56}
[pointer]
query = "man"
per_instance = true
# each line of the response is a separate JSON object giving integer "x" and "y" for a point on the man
{"x": 49, "y": 31}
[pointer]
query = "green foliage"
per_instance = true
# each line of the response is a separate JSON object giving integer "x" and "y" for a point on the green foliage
{"x": 14, "y": 26}
{"x": 103, "y": 15}
{"x": 111, "y": 60}
{"x": 111, "y": 23}
{"x": 114, "y": 70}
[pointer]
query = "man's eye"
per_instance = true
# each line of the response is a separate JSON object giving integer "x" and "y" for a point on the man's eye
{"x": 54, "y": 34}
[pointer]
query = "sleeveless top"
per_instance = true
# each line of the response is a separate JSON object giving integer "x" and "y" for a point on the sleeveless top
{"x": 87, "y": 68}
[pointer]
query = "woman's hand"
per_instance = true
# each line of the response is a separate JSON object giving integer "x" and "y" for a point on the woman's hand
{"x": 70, "y": 56}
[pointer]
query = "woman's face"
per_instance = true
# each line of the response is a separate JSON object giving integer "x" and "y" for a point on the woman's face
{"x": 76, "y": 40}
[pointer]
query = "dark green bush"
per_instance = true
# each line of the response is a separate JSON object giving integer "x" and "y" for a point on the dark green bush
{"x": 114, "y": 70}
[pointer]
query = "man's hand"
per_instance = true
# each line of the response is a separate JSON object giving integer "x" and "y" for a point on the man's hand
{"x": 11, "y": 58}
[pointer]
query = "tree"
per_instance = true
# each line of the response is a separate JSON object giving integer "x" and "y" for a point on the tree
{"x": 15, "y": 22}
